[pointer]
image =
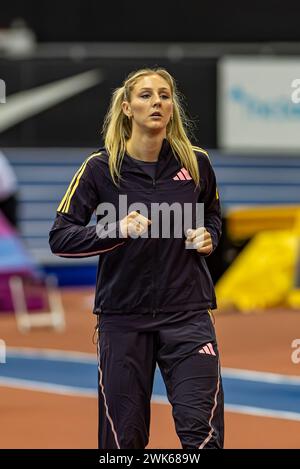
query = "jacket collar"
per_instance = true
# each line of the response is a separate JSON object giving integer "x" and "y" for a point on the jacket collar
{"x": 164, "y": 157}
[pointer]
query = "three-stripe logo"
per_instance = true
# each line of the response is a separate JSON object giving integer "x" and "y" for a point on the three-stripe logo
{"x": 182, "y": 175}
{"x": 208, "y": 349}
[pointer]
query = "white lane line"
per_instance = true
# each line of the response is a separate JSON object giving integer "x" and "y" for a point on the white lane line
{"x": 82, "y": 357}
{"x": 47, "y": 387}
{"x": 246, "y": 410}
{"x": 51, "y": 354}
{"x": 262, "y": 412}
{"x": 156, "y": 399}
{"x": 260, "y": 376}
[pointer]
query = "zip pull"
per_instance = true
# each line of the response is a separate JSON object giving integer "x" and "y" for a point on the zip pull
{"x": 153, "y": 183}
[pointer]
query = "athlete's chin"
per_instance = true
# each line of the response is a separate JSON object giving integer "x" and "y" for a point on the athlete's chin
{"x": 156, "y": 126}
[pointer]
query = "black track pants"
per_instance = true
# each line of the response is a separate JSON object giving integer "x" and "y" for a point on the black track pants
{"x": 188, "y": 358}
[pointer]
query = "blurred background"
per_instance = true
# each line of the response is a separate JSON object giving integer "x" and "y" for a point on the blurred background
{"x": 238, "y": 67}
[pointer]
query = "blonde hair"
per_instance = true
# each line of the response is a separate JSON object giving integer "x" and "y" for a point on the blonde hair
{"x": 117, "y": 127}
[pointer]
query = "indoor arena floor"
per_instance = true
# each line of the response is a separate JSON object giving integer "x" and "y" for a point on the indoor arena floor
{"x": 48, "y": 388}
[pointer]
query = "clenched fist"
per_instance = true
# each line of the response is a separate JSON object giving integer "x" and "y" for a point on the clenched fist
{"x": 134, "y": 225}
{"x": 199, "y": 239}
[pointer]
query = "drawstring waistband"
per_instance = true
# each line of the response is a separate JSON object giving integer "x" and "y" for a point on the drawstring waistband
{"x": 212, "y": 316}
{"x": 96, "y": 330}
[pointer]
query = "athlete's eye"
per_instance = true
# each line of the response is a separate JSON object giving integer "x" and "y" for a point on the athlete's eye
{"x": 145, "y": 95}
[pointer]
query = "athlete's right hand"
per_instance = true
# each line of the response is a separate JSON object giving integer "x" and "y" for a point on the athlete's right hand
{"x": 134, "y": 225}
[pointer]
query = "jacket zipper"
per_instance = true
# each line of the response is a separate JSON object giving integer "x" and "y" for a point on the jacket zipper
{"x": 154, "y": 311}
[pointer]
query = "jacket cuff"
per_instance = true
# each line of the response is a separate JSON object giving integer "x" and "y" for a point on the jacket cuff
{"x": 214, "y": 241}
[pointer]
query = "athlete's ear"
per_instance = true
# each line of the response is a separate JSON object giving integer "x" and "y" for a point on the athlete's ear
{"x": 126, "y": 109}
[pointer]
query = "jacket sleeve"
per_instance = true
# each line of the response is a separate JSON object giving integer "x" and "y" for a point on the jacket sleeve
{"x": 212, "y": 208}
{"x": 69, "y": 235}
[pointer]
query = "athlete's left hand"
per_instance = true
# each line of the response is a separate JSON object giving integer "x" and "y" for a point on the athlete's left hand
{"x": 199, "y": 239}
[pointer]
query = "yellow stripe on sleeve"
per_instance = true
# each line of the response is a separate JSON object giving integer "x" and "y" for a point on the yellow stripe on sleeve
{"x": 72, "y": 191}
{"x": 62, "y": 203}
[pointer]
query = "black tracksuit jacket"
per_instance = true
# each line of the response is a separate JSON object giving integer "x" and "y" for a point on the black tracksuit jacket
{"x": 141, "y": 275}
